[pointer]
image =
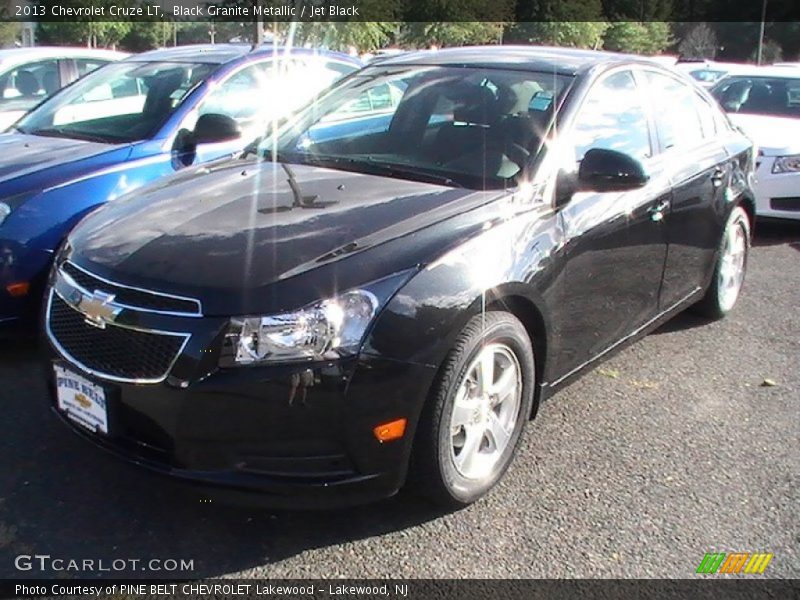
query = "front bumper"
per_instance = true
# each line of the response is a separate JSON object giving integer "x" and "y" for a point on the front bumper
{"x": 777, "y": 194}
{"x": 19, "y": 263}
{"x": 285, "y": 436}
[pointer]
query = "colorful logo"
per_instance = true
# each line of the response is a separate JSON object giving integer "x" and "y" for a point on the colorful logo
{"x": 82, "y": 400}
{"x": 735, "y": 562}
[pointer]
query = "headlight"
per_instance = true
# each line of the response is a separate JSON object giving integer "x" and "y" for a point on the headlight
{"x": 324, "y": 330}
{"x": 787, "y": 164}
{"x": 11, "y": 203}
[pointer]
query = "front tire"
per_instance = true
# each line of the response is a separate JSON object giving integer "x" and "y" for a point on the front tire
{"x": 730, "y": 269}
{"x": 471, "y": 426}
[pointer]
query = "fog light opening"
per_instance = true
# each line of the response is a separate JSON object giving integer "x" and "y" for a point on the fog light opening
{"x": 19, "y": 289}
{"x": 393, "y": 430}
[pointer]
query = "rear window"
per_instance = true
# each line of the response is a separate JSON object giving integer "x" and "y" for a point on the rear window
{"x": 776, "y": 96}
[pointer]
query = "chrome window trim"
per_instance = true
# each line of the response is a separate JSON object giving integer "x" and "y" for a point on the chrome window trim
{"x": 75, "y": 284}
{"x": 100, "y": 375}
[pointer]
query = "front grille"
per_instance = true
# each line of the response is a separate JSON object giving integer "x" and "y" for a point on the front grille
{"x": 131, "y": 297}
{"x": 116, "y": 352}
{"x": 792, "y": 204}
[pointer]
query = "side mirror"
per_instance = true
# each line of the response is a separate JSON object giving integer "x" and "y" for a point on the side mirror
{"x": 610, "y": 171}
{"x": 212, "y": 128}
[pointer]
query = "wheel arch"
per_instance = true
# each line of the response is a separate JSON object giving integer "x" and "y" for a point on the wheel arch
{"x": 532, "y": 318}
{"x": 748, "y": 203}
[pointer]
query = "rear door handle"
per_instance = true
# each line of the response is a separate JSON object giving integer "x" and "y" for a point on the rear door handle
{"x": 657, "y": 212}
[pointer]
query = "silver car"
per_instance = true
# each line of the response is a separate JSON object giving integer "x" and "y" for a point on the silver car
{"x": 29, "y": 75}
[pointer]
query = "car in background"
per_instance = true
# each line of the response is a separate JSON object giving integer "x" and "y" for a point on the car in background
{"x": 341, "y": 310}
{"x": 765, "y": 103}
{"x": 126, "y": 125}
{"x": 707, "y": 72}
{"x": 30, "y": 75}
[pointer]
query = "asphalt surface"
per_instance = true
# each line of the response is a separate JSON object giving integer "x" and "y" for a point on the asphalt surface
{"x": 672, "y": 449}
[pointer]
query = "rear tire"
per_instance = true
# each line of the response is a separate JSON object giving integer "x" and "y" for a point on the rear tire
{"x": 472, "y": 423}
{"x": 730, "y": 269}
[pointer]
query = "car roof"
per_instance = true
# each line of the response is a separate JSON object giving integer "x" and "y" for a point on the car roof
{"x": 565, "y": 61}
{"x": 8, "y": 55}
{"x": 223, "y": 53}
{"x": 774, "y": 72}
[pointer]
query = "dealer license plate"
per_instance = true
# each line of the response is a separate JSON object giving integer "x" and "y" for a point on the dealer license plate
{"x": 81, "y": 400}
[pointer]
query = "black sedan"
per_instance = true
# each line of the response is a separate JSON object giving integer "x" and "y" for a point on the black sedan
{"x": 384, "y": 288}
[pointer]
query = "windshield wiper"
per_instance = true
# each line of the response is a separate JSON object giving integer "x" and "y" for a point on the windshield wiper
{"x": 59, "y": 132}
{"x": 375, "y": 167}
{"x": 413, "y": 172}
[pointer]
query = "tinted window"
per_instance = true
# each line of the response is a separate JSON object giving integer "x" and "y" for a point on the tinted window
{"x": 613, "y": 118}
{"x": 239, "y": 97}
{"x": 340, "y": 69}
{"x": 122, "y": 102}
{"x": 675, "y": 106}
{"x": 475, "y": 127}
{"x": 778, "y": 96}
{"x": 87, "y": 65}
{"x": 707, "y": 76}
{"x": 24, "y": 86}
{"x": 709, "y": 116}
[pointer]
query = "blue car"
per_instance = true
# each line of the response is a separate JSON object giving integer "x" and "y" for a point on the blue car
{"x": 129, "y": 124}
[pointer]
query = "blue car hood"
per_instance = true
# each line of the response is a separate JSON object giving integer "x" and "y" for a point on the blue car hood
{"x": 62, "y": 158}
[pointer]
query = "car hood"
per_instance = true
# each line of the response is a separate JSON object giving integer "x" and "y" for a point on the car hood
{"x": 22, "y": 155}
{"x": 224, "y": 233}
{"x": 774, "y": 136}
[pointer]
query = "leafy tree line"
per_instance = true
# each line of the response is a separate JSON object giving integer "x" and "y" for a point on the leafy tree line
{"x": 597, "y": 24}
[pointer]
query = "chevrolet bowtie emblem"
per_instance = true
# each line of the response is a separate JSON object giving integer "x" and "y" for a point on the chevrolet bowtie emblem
{"x": 98, "y": 308}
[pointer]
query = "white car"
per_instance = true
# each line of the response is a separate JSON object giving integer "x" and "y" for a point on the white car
{"x": 765, "y": 103}
{"x": 29, "y": 75}
{"x": 707, "y": 72}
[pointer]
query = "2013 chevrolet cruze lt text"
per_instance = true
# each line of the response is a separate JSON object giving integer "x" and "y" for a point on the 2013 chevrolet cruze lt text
{"x": 385, "y": 287}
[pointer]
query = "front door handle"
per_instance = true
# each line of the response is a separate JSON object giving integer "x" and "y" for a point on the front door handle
{"x": 657, "y": 212}
{"x": 718, "y": 178}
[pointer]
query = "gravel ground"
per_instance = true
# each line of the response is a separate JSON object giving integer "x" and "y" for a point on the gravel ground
{"x": 672, "y": 449}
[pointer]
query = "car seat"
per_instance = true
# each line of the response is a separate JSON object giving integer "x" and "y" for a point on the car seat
{"x": 758, "y": 100}
{"x": 50, "y": 82}
{"x": 26, "y": 83}
{"x": 158, "y": 103}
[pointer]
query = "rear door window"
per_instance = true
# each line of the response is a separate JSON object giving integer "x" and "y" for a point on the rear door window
{"x": 675, "y": 107}
{"x": 613, "y": 117}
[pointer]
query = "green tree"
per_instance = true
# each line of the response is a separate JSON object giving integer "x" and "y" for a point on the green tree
{"x": 579, "y": 34}
{"x": 147, "y": 34}
{"x": 578, "y": 23}
{"x": 422, "y": 35}
{"x": 9, "y": 30}
{"x": 651, "y": 37}
{"x": 86, "y": 33}
{"x": 699, "y": 42}
{"x": 82, "y": 31}
{"x": 365, "y": 36}
{"x": 770, "y": 53}
{"x": 9, "y": 33}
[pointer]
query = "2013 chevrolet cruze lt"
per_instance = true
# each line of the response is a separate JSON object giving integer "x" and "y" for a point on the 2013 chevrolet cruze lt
{"x": 385, "y": 287}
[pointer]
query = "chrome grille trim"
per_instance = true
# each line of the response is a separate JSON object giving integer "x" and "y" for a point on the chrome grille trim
{"x": 73, "y": 283}
{"x": 106, "y": 376}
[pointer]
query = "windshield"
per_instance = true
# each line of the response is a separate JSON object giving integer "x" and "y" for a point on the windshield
{"x": 777, "y": 96}
{"x": 707, "y": 75}
{"x": 465, "y": 127}
{"x": 119, "y": 103}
